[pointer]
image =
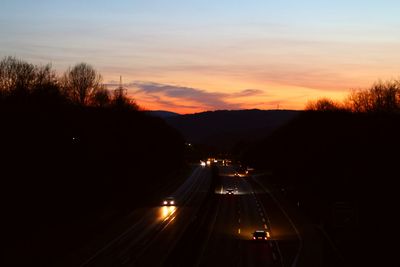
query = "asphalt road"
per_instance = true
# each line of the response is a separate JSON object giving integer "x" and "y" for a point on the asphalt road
{"x": 156, "y": 230}
{"x": 212, "y": 228}
{"x": 238, "y": 216}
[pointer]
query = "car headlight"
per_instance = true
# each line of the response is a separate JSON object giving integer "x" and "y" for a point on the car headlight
{"x": 172, "y": 202}
{"x": 165, "y": 202}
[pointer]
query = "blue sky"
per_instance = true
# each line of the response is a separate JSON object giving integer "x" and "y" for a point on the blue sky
{"x": 292, "y": 50}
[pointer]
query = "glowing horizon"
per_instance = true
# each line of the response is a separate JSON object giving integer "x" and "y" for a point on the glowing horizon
{"x": 192, "y": 56}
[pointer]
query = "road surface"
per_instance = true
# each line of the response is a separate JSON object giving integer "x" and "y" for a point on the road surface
{"x": 212, "y": 228}
{"x": 148, "y": 241}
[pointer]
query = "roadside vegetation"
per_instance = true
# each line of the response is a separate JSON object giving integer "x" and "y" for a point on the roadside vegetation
{"x": 74, "y": 157}
{"x": 338, "y": 164}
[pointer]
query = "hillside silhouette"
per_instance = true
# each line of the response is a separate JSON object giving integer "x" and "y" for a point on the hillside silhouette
{"x": 222, "y": 130}
{"x": 162, "y": 113}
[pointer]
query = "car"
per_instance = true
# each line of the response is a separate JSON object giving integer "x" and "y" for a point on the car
{"x": 230, "y": 191}
{"x": 260, "y": 235}
{"x": 169, "y": 201}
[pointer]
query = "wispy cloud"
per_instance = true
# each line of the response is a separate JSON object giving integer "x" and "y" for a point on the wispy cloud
{"x": 175, "y": 96}
{"x": 248, "y": 92}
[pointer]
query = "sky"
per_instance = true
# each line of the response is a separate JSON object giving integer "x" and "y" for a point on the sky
{"x": 190, "y": 56}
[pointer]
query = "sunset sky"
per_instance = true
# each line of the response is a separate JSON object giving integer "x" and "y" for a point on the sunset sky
{"x": 193, "y": 55}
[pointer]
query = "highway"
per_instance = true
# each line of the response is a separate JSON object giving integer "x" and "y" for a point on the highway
{"x": 238, "y": 216}
{"x": 224, "y": 236}
{"x": 155, "y": 231}
{"x": 209, "y": 228}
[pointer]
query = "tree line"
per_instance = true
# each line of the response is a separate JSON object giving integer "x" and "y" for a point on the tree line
{"x": 381, "y": 97}
{"x": 80, "y": 85}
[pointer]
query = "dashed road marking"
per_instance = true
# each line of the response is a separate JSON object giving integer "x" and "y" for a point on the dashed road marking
{"x": 239, "y": 231}
{"x": 239, "y": 220}
{"x": 274, "y": 256}
{"x": 265, "y": 227}
{"x": 263, "y": 219}
{"x": 270, "y": 244}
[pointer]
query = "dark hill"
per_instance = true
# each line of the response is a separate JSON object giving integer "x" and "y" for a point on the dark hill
{"x": 225, "y": 128}
{"x": 162, "y": 113}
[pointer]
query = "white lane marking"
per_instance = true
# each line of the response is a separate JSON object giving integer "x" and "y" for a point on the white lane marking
{"x": 239, "y": 220}
{"x": 289, "y": 219}
{"x": 265, "y": 226}
{"x": 263, "y": 219}
{"x": 239, "y": 231}
{"x": 270, "y": 244}
{"x": 274, "y": 256}
{"x": 261, "y": 214}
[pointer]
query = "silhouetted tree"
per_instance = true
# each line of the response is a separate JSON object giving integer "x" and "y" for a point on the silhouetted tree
{"x": 45, "y": 76}
{"x": 16, "y": 75}
{"x": 102, "y": 97}
{"x": 323, "y": 104}
{"x": 121, "y": 100}
{"x": 381, "y": 97}
{"x": 19, "y": 78}
{"x": 81, "y": 82}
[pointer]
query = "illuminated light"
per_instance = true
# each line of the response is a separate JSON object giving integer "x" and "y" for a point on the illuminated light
{"x": 166, "y": 212}
{"x": 208, "y": 162}
{"x": 172, "y": 202}
{"x": 165, "y": 202}
{"x": 202, "y": 163}
{"x": 268, "y": 235}
{"x": 254, "y": 237}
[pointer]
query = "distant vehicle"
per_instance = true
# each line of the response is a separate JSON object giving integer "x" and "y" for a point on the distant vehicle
{"x": 169, "y": 201}
{"x": 260, "y": 235}
{"x": 230, "y": 191}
